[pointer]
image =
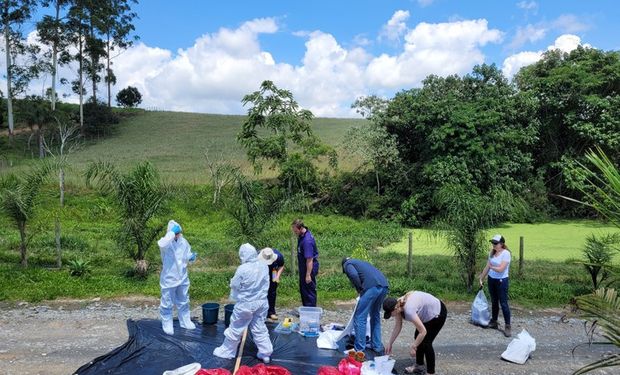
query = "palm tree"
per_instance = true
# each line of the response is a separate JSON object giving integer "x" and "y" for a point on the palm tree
{"x": 602, "y": 192}
{"x": 140, "y": 197}
{"x": 18, "y": 198}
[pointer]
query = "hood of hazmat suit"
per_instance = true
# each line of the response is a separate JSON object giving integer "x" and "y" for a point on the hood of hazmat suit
{"x": 251, "y": 280}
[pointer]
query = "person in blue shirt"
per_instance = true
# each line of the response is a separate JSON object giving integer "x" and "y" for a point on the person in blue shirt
{"x": 308, "y": 262}
{"x": 275, "y": 260}
{"x": 372, "y": 287}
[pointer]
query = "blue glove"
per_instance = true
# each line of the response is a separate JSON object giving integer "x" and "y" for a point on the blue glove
{"x": 192, "y": 257}
{"x": 176, "y": 229}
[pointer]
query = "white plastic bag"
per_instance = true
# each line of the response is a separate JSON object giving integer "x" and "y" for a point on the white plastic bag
{"x": 519, "y": 349}
{"x": 190, "y": 369}
{"x": 480, "y": 314}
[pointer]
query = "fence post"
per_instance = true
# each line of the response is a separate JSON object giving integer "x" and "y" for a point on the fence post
{"x": 409, "y": 266}
{"x": 293, "y": 254}
{"x": 520, "y": 256}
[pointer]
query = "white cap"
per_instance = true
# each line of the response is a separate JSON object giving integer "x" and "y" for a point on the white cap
{"x": 498, "y": 238}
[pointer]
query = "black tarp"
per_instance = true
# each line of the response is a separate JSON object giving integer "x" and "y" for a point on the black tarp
{"x": 150, "y": 351}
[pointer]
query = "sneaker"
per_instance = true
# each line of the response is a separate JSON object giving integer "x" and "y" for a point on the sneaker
{"x": 493, "y": 324}
{"x": 507, "y": 330}
{"x": 416, "y": 370}
{"x": 273, "y": 317}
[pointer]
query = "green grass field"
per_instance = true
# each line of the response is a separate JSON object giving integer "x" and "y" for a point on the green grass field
{"x": 558, "y": 241}
{"x": 175, "y": 142}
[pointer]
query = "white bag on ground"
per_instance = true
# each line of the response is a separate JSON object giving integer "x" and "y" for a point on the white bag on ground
{"x": 480, "y": 314}
{"x": 190, "y": 369}
{"x": 519, "y": 349}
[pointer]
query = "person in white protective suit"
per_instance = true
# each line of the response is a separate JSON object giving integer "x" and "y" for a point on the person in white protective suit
{"x": 176, "y": 253}
{"x": 248, "y": 288}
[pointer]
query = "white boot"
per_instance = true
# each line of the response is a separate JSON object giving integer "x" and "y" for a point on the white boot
{"x": 186, "y": 322}
{"x": 167, "y": 326}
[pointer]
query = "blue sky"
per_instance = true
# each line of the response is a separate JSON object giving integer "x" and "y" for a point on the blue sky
{"x": 203, "y": 56}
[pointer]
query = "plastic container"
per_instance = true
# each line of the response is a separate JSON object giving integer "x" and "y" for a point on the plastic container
{"x": 310, "y": 320}
{"x": 210, "y": 311}
{"x": 228, "y": 310}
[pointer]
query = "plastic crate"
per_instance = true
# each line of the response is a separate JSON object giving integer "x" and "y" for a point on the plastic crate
{"x": 310, "y": 320}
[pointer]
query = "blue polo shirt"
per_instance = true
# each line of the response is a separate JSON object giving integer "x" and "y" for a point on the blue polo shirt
{"x": 306, "y": 248}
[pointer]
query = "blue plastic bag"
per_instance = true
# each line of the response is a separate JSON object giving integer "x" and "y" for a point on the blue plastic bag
{"x": 480, "y": 314}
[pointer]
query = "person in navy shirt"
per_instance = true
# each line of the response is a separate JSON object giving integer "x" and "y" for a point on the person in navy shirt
{"x": 275, "y": 260}
{"x": 372, "y": 287}
{"x": 308, "y": 261}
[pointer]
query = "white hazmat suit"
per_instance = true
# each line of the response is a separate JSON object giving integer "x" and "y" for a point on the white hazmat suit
{"x": 248, "y": 288}
{"x": 173, "y": 280}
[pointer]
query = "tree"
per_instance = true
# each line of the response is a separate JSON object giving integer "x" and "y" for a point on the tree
{"x": 602, "y": 308}
{"x": 14, "y": 13}
{"x": 18, "y": 201}
{"x": 116, "y": 25}
{"x": 465, "y": 216}
{"x": 129, "y": 97}
{"x": 140, "y": 197}
{"x": 273, "y": 121}
{"x": 472, "y": 131}
{"x": 578, "y": 105}
{"x": 54, "y": 31}
{"x": 34, "y": 112}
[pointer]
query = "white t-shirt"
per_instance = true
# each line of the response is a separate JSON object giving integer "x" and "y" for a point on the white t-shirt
{"x": 424, "y": 305}
{"x": 495, "y": 261}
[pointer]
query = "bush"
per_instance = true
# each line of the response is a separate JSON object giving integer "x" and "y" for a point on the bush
{"x": 79, "y": 267}
{"x": 598, "y": 253}
{"x": 99, "y": 120}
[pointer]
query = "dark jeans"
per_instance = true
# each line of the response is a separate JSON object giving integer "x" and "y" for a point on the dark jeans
{"x": 498, "y": 289}
{"x": 425, "y": 349}
{"x": 271, "y": 298}
{"x": 307, "y": 291}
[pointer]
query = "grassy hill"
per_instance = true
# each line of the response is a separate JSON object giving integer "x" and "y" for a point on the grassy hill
{"x": 176, "y": 143}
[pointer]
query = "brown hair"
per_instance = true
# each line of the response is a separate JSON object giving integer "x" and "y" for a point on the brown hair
{"x": 298, "y": 223}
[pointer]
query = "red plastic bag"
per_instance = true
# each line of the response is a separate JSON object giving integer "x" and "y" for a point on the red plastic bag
{"x": 328, "y": 370}
{"x": 261, "y": 369}
{"x": 349, "y": 366}
{"x": 213, "y": 371}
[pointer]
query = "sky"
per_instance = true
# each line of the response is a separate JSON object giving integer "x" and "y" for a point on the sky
{"x": 204, "y": 56}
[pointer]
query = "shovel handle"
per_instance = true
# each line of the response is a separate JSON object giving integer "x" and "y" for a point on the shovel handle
{"x": 240, "y": 352}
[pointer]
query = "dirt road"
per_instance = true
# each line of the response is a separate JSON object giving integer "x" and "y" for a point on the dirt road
{"x": 58, "y": 337}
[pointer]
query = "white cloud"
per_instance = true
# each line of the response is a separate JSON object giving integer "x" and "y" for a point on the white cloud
{"x": 569, "y": 23}
{"x": 529, "y": 33}
{"x": 564, "y": 43}
{"x": 441, "y": 49}
{"x": 214, "y": 74}
{"x": 396, "y": 26}
{"x": 425, "y": 3}
{"x": 527, "y": 5}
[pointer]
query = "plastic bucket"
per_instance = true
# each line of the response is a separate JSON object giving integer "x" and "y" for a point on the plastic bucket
{"x": 228, "y": 310}
{"x": 210, "y": 312}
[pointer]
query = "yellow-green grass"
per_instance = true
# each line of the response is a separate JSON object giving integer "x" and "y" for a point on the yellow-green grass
{"x": 175, "y": 142}
{"x": 556, "y": 241}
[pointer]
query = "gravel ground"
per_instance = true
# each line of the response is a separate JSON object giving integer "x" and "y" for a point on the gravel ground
{"x": 57, "y": 337}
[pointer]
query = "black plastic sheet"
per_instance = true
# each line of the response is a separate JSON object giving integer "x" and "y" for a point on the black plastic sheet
{"x": 150, "y": 351}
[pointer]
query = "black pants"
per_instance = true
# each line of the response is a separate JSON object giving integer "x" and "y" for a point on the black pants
{"x": 425, "y": 349}
{"x": 271, "y": 297}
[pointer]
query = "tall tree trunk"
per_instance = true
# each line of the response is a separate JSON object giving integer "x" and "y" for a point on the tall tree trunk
{"x": 22, "y": 244}
{"x": 55, "y": 58}
{"x": 93, "y": 61}
{"x": 40, "y": 142}
{"x": 108, "y": 73}
{"x": 58, "y": 247}
{"x": 81, "y": 75}
{"x": 9, "y": 76}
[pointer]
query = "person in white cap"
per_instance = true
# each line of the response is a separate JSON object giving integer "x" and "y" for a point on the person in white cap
{"x": 176, "y": 253}
{"x": 248, "y": 288}
{"x": 497, "y": 268}
{"x": 275, "y": 260}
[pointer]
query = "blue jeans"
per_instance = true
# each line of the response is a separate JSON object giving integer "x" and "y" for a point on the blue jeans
{"x": 371, "y": 302}
{"x": 498, "y": 289}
